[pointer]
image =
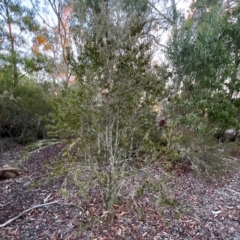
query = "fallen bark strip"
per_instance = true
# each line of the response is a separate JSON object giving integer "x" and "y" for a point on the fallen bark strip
{"x": 7, "y": 172}
{"x": 29, "y": 209}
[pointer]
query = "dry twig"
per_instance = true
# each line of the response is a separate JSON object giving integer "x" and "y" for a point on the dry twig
{"x": 232, "y": 191}
{"x": 34, "y": 207}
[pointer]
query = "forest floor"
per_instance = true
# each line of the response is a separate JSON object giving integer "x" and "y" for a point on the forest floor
{"x": 198, "y": 207}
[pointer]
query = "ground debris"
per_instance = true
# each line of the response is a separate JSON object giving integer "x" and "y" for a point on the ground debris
{"x": 8, "y": 171}
{"x": 206, "y": 210}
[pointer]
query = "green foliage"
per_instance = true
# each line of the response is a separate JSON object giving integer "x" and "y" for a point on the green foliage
{"x": 22, "y": 110}
{"x": 107, "y": 115}
{"x": 204, "y": 55}
{"x": 72, "y": 108}
{"x": 36, "y": 63}
{"x": 16, "y": 21}
{"x": 136, "y": 5}
{"x": 23, "y": 103}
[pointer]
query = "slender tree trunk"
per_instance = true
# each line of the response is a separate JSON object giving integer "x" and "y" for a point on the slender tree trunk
{"x": 13, "y": 52}
{"x": 62, "y": 31}
{"x": 234, "y": 76}
{"x": 174, "y": 9}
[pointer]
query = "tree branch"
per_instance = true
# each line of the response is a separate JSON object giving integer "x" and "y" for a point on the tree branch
{"x": 156, "y": 41}
{"x": 162, "y": 15}
{"x": 39, "y": 14}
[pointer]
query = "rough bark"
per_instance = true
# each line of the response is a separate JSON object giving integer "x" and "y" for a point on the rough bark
{"x": 7, "y": 172}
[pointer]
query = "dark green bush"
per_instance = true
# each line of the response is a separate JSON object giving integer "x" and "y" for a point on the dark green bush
{"x": 22, "y": 109}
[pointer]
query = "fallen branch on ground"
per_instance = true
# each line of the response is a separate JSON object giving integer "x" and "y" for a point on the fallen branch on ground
{"x": 7, "y": 172}
{"x": 232, "y": 191}
{"x": 29, "y": 209}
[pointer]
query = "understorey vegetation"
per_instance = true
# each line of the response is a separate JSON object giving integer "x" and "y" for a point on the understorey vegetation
{"x": 105, "y": 82}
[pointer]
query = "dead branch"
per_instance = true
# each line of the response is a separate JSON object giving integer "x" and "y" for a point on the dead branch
{"x": 161, "y": 14}
{"x": 34, "y": 207}
{"x": 232, "y": 191}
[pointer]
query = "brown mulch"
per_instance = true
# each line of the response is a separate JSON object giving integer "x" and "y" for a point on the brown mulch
{"x": 199, "y": 208}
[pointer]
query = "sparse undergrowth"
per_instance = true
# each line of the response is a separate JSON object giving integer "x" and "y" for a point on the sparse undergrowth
{"x": 138, "y": 178}
{"x": 155, "y": 200}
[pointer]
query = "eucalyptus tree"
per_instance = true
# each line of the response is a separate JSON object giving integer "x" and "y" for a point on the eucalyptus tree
{"x": 205, "y": 54}
{"x": 23, "y": 103}
{"x": 17, "y": 21}
{"x": 57, "y": 46}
